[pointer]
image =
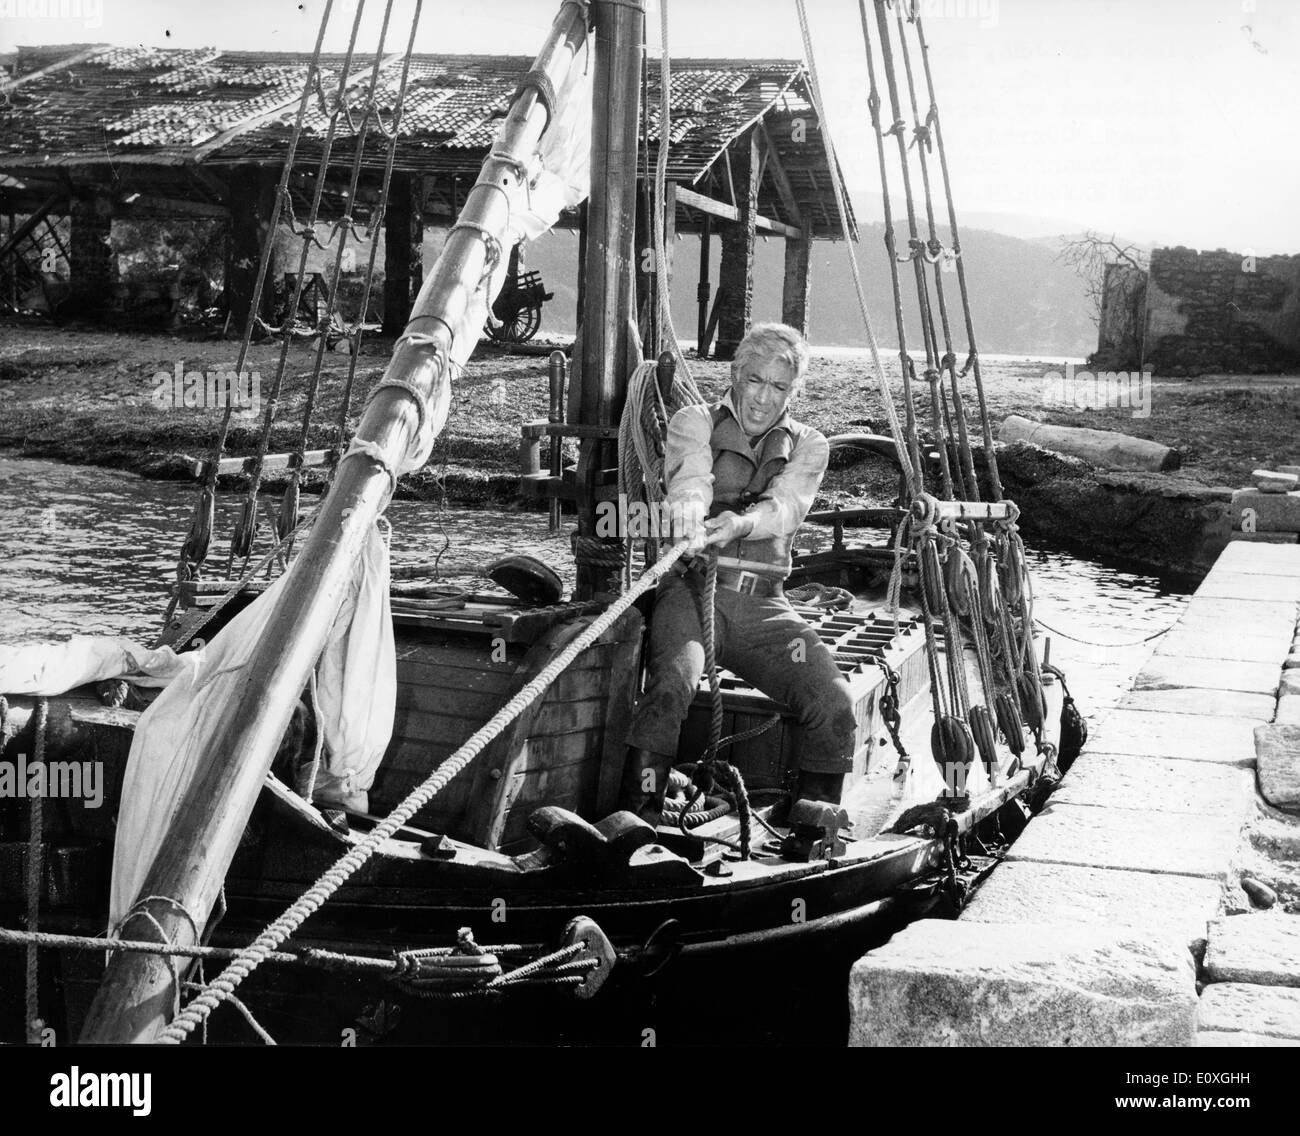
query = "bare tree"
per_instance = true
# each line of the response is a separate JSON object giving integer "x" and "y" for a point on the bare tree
{"x": 1089, "y": 256}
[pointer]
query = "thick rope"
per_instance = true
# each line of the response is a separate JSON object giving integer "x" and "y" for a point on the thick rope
{"x": 334, "y": 878}
{"x": 35, "y": 879}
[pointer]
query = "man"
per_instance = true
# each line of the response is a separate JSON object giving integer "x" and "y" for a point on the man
{"x": 740, "y": 477}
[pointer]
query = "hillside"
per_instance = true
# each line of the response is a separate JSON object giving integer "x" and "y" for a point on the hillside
{"x": 1024, "y": 301}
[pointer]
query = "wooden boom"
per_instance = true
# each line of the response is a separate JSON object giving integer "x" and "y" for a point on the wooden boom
{"x": 135, "y": 999}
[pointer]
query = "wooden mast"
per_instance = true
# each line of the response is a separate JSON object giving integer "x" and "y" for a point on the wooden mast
{"x": 608, "y": 346}
{"x": 135, "y": 999}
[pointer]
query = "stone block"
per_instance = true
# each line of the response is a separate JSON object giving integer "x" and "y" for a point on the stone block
{"x": 1249, "y": 614}
{"x": 1149, "y": 733}
{"x": 1241, "y": 1007}
{"x": 1266, "y": 537}
{"x": 1288, "y": 709}
{"x": 1289, "y": 684}
{"x": 1179, "y": 844}
{"x": 1216, "y": 703}
{"x": 1233, "y": 583}
{"x": 1125, "y": 781}
{"x": 1071, "y": 895}
{"x": 1260, "y": 949}
{"x": 1274, "y": 512}
{"x": 1168, "y": 672}
{"x": 946, "y": 983}
{"x": 1270, "y": 561}
{"x": 1215, "y": 1039}
{"x": 1277, "y": 753}
{"x": 1292, "y": 661}
{"x": 1210, "y": 642}
{"x": 1275, "y": 481}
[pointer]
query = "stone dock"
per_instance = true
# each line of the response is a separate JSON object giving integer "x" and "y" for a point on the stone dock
{"x": 1136, "y": 909}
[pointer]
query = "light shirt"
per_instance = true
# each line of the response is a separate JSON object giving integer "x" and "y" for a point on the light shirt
{"x": 688, "y": 470}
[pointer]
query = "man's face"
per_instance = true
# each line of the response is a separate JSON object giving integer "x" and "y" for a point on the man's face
{"x": 761, "y": 390}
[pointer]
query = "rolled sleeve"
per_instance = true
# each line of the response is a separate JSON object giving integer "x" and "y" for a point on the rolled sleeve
{"x": 790, "y": 493}
{"x": 688, "y": 457}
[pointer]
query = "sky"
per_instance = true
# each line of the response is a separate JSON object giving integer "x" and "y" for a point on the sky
{"x": 1163, "y": 121}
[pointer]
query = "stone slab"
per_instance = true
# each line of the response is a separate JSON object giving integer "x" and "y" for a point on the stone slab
{"x": 1288, "y": 709}
{"x": 1241, "y": 1007}
{"x": 1225, "y": 642}
{"x": 1292, "y": 661}
{"x": 1256, "y": 615}
{"x": 1274, "y": 512}
{"x": 1289, "y": 684}
{"x": 1151, "y": 733}
{"x": 1259, "y": 949}
{"x": 1237, "y": 584}
{"x": 1272, "y": 561}
{"x": 956, "y": 983}
{"x": 1069, "y": 895}
{"x": 1216, "y": 703}
{"x": 1167, "y": 672}
{"x": 1266, "y": 537}
{"x": 1277, "y": 753}
{"x": 1213, "y": 1039}
{"x": 1124, "y": 781}
{"x": 1180, "y": 844}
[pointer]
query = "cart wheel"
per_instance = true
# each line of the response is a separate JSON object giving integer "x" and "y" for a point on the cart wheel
{"x": 519, "y": 328}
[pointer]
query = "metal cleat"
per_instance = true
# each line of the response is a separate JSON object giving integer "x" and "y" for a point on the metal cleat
{"x": 814, "y": 832}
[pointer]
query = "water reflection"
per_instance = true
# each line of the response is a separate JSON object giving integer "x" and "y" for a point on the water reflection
{"x": 91, "y": 551}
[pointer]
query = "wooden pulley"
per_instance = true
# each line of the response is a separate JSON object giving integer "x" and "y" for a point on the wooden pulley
{"x": 526, "y": 577}
{"x": 961, "y": 582}
{"x": 931, "y": 577}
{"x": 981, "y": 728}
{"x": 952, "y": 746}
{"x": 199, "y": 539}
{"x": 1032, "y": 700}
{"x": 987, "y": 579}
{"x": 1010, "y": 722}
{"x": 287, "y": 520}
{"x": 241, "y": 541}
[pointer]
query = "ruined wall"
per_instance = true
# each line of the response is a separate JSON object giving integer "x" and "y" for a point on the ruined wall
{"x": 1221, "y": 311}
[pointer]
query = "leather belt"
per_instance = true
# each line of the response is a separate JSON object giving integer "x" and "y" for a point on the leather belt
{"x": 749, "y": 583}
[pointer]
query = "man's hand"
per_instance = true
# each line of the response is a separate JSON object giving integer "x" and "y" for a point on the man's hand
{"x": 687, "y": 520}
{"x": 726, "y": 527}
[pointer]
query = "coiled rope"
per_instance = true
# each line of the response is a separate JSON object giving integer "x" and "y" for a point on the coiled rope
{"x": 216, "y": 991}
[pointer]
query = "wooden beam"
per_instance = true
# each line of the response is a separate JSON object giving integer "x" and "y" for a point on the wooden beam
{"x": 693, "y": 200}
{"x": 779, "y": 176}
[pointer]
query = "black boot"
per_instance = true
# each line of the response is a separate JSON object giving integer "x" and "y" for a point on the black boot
{"x": 645, "y": 781}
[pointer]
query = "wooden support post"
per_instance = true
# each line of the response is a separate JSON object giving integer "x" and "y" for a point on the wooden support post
{"x": 609, "y": 347}
{"x": 795, "y": 285}
{"x": 252, "y": 200}
{"x": 736, "y": 274}
{"x": 702, "y": 291}
{"x": 403, "y": 249}
{"x": 93, "y": 266}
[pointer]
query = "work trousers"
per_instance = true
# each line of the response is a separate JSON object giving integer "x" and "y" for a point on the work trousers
{"x": 762, "y": 640}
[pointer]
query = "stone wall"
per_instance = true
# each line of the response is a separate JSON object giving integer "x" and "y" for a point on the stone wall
{"x": 1222, "y": 311}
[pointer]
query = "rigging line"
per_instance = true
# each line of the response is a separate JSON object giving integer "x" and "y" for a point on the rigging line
{"x": 315, "y": 896}
{"x": 974, "y": 361}
{"x": 908, "y": 460}
{"x": 909, "y": 404}
{"x": 376, "y": 229}
{"x": 891, "y": 84}
{"x": 1096, "y": 643}
{"x": 241, "y": 543}
{"x": 959, "y": 411}
{"x": 199, "y": 539}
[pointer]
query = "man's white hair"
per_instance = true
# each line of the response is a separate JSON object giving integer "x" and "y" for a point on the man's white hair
{"x": 766, "y": 341}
